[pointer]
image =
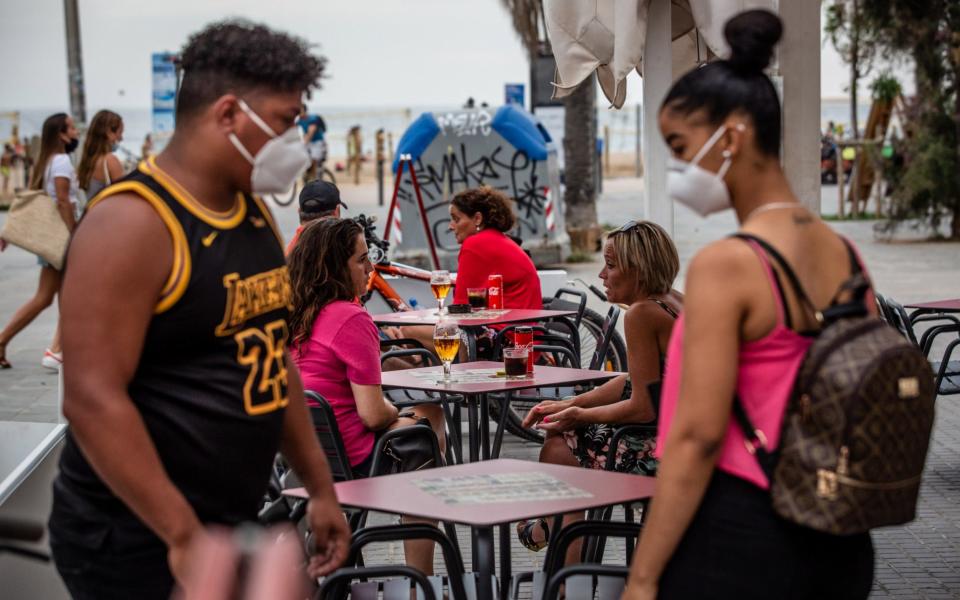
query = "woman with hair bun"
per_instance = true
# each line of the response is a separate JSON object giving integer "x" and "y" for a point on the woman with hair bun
{"x": 480, "y": 219}
{"x": 712, "y": 531}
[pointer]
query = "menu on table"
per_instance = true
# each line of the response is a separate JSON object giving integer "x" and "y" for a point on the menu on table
{"x": 499, "y": 487}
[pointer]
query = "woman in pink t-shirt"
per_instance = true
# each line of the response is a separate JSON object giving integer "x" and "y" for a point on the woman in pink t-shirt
{"x": 712, "y": 531}
{"x": 337, "y": 349}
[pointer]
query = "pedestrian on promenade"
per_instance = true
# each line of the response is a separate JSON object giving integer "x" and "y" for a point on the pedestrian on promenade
{"x": 354, "y": 153}
{"x": 6, "y": 167}
{"x": 712, "y": 531}
{"x": 179, "y": 390}
{"x": 99, "y": 166}
{"x": 56, "y": 176}
{"x": 146, "y": 150}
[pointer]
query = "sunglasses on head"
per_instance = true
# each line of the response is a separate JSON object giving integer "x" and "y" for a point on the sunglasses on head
{"x": 628, "y": 226}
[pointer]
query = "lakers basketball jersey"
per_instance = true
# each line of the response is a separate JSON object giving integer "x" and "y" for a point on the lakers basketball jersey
{"x": 211, "y": 385}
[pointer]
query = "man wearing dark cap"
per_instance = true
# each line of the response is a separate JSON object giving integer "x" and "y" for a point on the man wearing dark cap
{"x": 318, "y": 200}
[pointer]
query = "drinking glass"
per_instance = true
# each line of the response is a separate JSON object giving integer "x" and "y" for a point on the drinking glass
{"x": 477, "y": 297}
{"x": 446, "y": 341}
{"x": 515, "y": 362}
{"x": 440, "y": 286}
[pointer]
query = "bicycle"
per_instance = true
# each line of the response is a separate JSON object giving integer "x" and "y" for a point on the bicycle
{"x": 316, "y": 167}
{"x": 590, "y": 330}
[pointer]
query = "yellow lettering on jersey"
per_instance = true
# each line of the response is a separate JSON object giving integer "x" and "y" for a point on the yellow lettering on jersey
{"x": 261, "y": 351}
{"x": 256, "y": 295}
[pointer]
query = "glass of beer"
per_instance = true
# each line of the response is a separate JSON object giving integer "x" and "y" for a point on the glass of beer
{"x": 446, "y": 342}
{"x": 440, "y": 286}
{"x": 515, "y": 362}
{"x": 477, "y": 297}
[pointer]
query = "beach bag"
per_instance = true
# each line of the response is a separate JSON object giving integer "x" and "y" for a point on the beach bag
{"x": 857, "y": 425}
{"x": 34, "y": 224}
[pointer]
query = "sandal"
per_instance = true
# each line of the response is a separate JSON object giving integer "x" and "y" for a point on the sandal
{"x": 525, "y": 534}
{"x": 4, "y": 363}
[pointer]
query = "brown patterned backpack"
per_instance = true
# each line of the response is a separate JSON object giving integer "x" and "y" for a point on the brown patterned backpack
{"x": 857, "y": 425}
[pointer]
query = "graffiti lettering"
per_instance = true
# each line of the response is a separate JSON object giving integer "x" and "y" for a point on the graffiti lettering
{"x": 504, "y": 168}
{"x": 465, "y": 123}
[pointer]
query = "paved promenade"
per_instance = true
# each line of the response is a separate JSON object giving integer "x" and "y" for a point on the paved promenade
{"x": 921, "y": 560}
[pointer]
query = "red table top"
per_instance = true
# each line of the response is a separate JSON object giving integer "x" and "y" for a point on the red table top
{"x": 543, "y": 376}
{"x": 405, "y": 493}
{"x": 944, "y": 305}
{"x": 429, "y": 317}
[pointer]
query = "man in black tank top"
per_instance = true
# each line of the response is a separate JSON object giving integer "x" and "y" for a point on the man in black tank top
{"x": 179, "y": 390}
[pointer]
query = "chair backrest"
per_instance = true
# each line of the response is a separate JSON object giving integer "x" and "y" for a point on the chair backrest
{"x": 562, "y": 355}
{"x": 897, "y": 317}
{"x": 325, "y": 424}
{"x": 581, "y": 581}
{"x": 569, "y": 299}
{"x": 335, "y": 585}
{"x": 599, "y": 359}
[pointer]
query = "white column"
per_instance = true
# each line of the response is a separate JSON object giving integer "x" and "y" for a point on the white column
{"x": 657, "y": 79}
{"x": 799, "y": 66}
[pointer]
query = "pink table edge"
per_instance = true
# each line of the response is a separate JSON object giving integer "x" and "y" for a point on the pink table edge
{"x": 404, "y": 380}
{"x": 396, "y": 494}
{"x": 949, "y": 304}
{"x": 513, "y": 315}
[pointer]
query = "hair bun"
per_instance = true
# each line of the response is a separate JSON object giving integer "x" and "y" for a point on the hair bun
{"x": 752, "y": 35}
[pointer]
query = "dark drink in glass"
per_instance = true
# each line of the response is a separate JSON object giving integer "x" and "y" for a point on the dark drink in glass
{"x": 477, "y": 297}
{"x": 515, "y": 362}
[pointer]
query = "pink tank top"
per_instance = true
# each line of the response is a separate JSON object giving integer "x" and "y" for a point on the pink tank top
{"x": 765, "y": 373}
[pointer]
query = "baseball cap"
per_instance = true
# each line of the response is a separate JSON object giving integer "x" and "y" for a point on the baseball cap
{"x": 319, "y": 196}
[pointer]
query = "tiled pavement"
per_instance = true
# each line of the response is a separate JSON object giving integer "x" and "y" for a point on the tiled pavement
{"x": 920, "y": 560}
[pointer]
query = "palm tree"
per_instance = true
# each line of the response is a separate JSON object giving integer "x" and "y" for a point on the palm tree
{"x": 580, "y": 131}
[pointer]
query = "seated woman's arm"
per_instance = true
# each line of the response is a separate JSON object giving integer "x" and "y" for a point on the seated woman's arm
{"x": 375, "y": 411}
{"x": 600, "y": 405}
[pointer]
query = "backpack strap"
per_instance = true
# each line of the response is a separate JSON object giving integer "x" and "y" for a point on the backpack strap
{"x": 857, "y": 283}
{"x": 783, "y": 311}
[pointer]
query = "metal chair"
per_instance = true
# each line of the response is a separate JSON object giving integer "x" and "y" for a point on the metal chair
{"x": 583, "y": 581}
{"x": 946, "y": 371}
{"x": 560, "y": 541}
{"x": 337, "y": 585}
{"x": 460, "y": 584}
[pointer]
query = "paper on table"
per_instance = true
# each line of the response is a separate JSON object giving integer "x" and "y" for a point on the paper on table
{"x": 465, "y": 376}
{"x": 499, "y": 487}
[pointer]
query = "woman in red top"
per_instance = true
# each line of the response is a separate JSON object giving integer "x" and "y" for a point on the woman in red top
{"x": 480, "y": 219}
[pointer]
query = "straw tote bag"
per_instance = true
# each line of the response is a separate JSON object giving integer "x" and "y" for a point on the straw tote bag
{"x": 34, "y": 224}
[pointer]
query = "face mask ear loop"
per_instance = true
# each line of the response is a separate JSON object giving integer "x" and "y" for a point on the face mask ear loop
{"x": 724, "y": 167}
{"x": 239, "y": 146}
{"x": 256, "y": 118}
{"x": 709, "y": 144}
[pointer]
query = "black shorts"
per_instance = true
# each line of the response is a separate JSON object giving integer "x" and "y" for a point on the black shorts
{"x": 738, "y": 547}
{"x": 114, "y": 571}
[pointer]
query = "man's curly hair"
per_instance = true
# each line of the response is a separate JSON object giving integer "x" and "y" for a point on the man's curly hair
{"x": 237, "y": 56}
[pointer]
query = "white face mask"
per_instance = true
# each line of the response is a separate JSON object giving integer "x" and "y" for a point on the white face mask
{"x": 279, "y": 162}
{"x": 697, "y": 188}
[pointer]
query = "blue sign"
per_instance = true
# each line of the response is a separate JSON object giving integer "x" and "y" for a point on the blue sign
{"x": 164, "y": 91}
{"x": 513, "y": 93}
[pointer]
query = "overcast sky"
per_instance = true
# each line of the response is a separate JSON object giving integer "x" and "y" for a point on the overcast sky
{"x": 381, "y": 52}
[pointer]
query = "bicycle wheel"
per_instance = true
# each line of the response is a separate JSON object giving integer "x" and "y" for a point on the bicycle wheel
{"x": 286, "y": 200}
{"x": 327, "y": 175}
{"x": 591, "y": 328}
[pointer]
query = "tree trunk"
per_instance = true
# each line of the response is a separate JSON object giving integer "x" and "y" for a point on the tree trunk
{"x": 854, "y": 120}
{"x": 580, "y": 156}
